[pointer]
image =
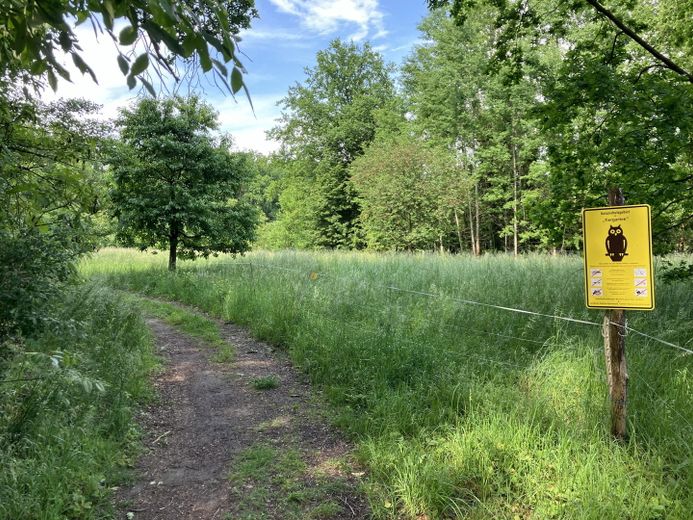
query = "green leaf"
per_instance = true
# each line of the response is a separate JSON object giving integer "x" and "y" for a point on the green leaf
{"x": 128, "y": 35}
{"x": 236, "y": 80}
{"x": 38, "y": 67}
{"x": 131, "y": 81}
{"x": 82, "y": 16}
{"x": 140, "y": 64}
{"x": 62, "y": 71}
{"x": 220, "y": 67}
{"x": 123, "y": 64}
{"x": 168, "y": 9}
{"x": 108, "y": 5}
{"x": 107, "y": 14}
{"x": 65, "y": 41}
{"x": 157, "y": 33}
{"x": 52, "y": 80}
{"x": 148, "y": 86}
{"x": 189, "y": 45}
{"x": 83, "y": 67}
{"x": 205, "y": 61}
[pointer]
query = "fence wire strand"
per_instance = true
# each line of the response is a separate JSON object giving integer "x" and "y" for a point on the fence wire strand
{"x": 463, "y": 301}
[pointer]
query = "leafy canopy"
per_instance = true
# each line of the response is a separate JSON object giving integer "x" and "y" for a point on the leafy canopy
{"x": 175, "y": 185}
{"x": 33, "y": 34}
{"x": 48, "y": 192}
{"x": 326, "y": 123}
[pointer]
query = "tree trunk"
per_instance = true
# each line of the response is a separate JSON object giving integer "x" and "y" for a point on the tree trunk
{"x": 172, "y": 246}
{"x": 471, "y": 227}
{"x": 477, "y": 250}
{"x": 459, "y": 230}
{"x": 515, "y": 181}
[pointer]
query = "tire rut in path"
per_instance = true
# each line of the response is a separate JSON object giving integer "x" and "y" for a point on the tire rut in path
{"x": 207, "y": 414}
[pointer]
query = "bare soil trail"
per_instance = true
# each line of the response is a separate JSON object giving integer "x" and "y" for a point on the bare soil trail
{"x": 216, "y": 446}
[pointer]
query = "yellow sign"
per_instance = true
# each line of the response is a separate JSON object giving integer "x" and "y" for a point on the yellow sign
{"x": 618, "y": 257}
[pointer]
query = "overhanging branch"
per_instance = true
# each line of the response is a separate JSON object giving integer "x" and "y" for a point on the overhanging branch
{"x": 635, "y": 37}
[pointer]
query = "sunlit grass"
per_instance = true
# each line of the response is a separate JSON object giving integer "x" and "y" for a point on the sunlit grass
{"x": 463, "y": 409}
{"x": 188, "y": 322}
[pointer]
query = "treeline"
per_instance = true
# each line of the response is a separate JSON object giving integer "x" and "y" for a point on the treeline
{"x": 504, "y": 121}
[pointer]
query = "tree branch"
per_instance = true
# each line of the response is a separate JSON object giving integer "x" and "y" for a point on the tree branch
{"x": 635, "y": 37}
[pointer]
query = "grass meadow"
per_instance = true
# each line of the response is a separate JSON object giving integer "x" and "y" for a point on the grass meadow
{"x": 462, "y": 410}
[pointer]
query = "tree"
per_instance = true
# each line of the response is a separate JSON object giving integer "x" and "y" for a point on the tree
{"x": 175, "y": 186}
{"x": 325, "y": 124}
{"x": 519, "y": 16}
{"x": 32, "y": 32}
{"x": 483, "y": 114}
{"x": 610, "y": 112}
{"x": 407, "y": 191}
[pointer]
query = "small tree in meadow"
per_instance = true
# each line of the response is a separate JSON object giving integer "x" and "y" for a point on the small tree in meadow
{"x": 177, "y": 187}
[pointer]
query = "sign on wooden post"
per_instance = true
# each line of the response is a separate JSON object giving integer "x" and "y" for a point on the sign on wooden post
{"x": 618, "y": 257}
{"x": 618, "y": 276}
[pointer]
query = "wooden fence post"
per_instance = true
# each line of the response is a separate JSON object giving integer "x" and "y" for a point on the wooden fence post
{"x": 614, "y": 330}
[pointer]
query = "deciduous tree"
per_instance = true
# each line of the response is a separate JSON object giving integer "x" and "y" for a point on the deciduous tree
{"x": 175, "y": 185}
{"x": 326, "y": 123}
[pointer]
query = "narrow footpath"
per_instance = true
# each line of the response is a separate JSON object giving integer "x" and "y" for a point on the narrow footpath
{"x": 240, "y": 440}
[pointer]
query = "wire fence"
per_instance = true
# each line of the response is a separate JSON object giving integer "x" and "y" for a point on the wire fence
{"x": 347, "y": 289}
{"x": 465, "y": 301}
{"x": 385, "y": 312}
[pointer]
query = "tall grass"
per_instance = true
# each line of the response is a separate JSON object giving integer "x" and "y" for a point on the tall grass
{"x": 463, "y": 410}
{"x": 66, "y": 402}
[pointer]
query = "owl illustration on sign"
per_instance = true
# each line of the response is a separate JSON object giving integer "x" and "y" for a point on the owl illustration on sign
{"x": 616, "y": 243}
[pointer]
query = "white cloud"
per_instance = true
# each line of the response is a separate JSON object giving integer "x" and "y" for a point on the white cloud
{"x": 248, "y": 129}
{"x": 274, "y": 34}
{"x": 329, "y": 16}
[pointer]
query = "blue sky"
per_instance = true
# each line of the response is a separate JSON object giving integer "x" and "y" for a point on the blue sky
{"x": 277, "y": 49}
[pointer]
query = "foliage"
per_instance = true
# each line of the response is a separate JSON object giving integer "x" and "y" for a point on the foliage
{"x": 66, "y": 431}
{"x": 483, "y": 113}
{"x": 175, "y": 186}
{"x": 34, "y": 270}
{"x": 48, "y": 193}
{"x": 405, "y": 191}
{"x": 46, "y": 175}
{"x": 607, "y": 110}
{"x": 464, "y": 410}
{"x": 326, "y": 123}
{"x": 34, "y": 34}
{"x": 676, "y": 269}
{"x": 264, "y": 186}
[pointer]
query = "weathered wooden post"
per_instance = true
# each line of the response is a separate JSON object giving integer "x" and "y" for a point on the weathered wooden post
{"x": 614, "y": 330}
{"x": 618, "y": 276}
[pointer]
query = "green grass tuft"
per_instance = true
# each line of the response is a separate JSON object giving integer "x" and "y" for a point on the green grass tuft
{"x": 265, "y": 383}
{"x": 190, "y": 323}
{"x": 264, "y": 474}
{"x": 66, "y": 407}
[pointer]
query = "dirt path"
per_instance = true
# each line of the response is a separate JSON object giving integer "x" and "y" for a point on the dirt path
{"x": 219, "y": 448}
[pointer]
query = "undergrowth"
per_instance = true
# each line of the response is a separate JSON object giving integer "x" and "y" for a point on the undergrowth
{"x": 66, "y": 401}
{"x": 463, "y": 410}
